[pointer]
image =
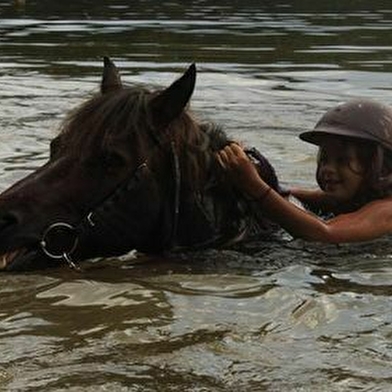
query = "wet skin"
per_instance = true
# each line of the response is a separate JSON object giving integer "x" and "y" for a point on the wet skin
{"x": 343, "y": 178}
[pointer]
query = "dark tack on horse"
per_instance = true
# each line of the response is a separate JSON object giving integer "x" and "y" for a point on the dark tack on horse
{"x": 131, "y": 169}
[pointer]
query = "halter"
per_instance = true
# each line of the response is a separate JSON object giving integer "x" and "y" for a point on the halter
{"x": 68, "y": 235}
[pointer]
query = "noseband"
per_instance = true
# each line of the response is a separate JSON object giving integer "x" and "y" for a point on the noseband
{"x": 60, "y": 240}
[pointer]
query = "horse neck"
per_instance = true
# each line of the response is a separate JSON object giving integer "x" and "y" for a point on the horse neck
{"x": 202, "y": 196}
{"x": 198, "y": 162}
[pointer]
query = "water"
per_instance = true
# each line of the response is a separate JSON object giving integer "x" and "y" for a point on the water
{"x": 267, "y": 317}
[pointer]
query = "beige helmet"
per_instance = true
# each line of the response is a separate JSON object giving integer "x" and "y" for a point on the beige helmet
{"x": 360, "y": 118}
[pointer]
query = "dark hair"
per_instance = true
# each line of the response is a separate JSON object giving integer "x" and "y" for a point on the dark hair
{"x": 377, "y": 163}
{"x": 124, "y": 118}
{"x": 379, "y": 173}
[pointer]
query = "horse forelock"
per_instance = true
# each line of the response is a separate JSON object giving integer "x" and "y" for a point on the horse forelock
{"x": 106, "y": 120}
{"x": 123, "y": 118}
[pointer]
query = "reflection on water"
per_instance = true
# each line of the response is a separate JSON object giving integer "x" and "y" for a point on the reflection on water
{"x": 263, "y": 317}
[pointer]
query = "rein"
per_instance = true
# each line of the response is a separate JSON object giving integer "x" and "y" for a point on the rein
{"x": 69, "y": 236}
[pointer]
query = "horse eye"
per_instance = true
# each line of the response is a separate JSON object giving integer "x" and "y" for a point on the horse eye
{"x": 113, "y": 160}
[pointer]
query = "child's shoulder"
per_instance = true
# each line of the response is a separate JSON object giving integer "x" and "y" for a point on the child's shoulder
{"x": 379, "y": 209}
{"x": 380, "y": 203}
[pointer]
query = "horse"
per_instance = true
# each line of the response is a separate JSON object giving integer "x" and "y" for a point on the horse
{"x": 130, "y": 169}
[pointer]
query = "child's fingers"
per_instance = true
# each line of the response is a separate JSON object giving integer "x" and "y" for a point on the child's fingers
{"x": 221, "y": 160}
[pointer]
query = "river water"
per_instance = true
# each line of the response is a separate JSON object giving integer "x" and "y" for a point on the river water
{"x": 266, "y": 317}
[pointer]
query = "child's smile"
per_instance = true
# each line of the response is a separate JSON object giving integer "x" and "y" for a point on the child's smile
{"x": 340, "y": 173}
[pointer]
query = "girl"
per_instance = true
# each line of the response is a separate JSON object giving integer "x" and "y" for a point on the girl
{"x": 354, "y": 173}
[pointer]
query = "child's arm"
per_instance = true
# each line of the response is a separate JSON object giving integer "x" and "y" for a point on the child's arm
{"x": 367, "y": 223}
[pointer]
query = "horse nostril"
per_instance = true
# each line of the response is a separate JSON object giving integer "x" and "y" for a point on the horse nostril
{"x": 7, "y": 219}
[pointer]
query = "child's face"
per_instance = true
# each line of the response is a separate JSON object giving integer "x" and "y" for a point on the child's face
{"x": 340, "y": 173}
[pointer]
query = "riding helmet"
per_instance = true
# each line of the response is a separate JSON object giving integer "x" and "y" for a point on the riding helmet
{"x": 359, "y": 118}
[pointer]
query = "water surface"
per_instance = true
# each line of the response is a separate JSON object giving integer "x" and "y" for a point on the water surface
{"x": 266, "y": 317}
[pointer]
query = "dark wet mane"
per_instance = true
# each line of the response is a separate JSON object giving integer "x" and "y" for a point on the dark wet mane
{"x": 104, "y": 120}
{"x": 123, "y": 117}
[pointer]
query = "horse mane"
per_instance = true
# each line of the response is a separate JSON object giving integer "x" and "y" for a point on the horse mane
{"x": 103, "y": 120}
{"x": 123, "y": 117}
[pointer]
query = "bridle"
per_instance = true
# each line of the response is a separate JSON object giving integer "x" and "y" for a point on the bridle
{"x": 69, "y": 235}
{"x": 67, "y": 232}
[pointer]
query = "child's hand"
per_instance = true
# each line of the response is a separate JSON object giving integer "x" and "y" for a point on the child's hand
{"x": 241, "y": 170}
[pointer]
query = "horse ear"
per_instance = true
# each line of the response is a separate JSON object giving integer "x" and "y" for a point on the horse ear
{"x": 110, "y": 78}
{"x": 169, "y": 103}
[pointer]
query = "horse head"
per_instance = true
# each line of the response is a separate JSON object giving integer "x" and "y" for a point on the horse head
{"x": 110, "y": 151}
{"x": 130, "y": 169}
